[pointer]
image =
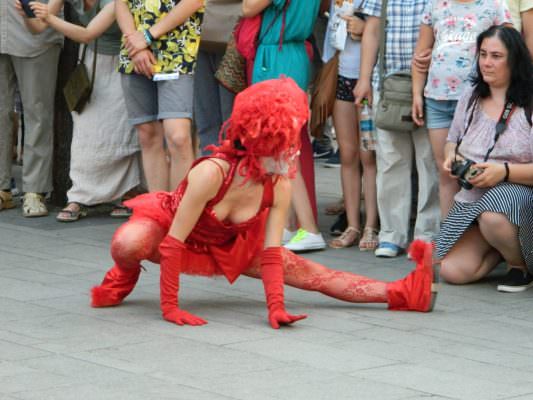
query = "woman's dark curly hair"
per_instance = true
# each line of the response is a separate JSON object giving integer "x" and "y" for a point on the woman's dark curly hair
{"x": 520, "y": 91}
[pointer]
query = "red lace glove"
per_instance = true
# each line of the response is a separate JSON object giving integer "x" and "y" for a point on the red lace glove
{"x": 172, "y": 253}
{"x": 272, "y": 274}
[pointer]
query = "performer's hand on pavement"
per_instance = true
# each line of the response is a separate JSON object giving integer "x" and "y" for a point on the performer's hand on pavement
{"x": 281, "y": 317}
{"x": 182, "y": 317}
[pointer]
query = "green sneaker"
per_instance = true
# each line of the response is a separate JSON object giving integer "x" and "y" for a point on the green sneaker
{"x": 306, "y": 241}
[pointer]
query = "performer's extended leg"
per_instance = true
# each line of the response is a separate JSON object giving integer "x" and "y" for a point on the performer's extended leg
{"x": 133, "y": 242}
{"x": 415, "y": 292}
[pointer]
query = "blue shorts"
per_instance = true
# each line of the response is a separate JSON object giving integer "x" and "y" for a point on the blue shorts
{"x": 439, "y": 113}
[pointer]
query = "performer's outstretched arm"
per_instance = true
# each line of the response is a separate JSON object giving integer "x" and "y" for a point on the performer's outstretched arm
{"x": 204, "y": 181}
{"x": 271, "y": 259}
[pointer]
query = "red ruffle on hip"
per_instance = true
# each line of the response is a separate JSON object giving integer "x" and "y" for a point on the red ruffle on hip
{"x": 154, "y": 206}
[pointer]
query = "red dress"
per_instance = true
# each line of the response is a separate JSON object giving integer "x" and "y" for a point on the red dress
{"x": 214, "y": 247}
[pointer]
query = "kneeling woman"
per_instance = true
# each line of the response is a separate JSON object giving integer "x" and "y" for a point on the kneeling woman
{"x": 227, "y": 218}
{"x": 492, "y": 217}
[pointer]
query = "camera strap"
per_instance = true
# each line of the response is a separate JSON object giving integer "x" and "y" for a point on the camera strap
{"x": 500, "y": 128}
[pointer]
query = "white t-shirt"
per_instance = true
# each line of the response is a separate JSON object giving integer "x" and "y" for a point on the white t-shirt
{"x": 349, "y": 58}
{"x": 456, "y": 26}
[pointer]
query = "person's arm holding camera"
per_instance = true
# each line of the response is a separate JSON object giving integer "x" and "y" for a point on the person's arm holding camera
{"x": 449, "y": 157}
{"x": 37, "y": 25}
{"x": 494, "y": 173}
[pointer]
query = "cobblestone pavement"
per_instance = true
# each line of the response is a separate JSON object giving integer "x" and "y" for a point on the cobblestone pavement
{"x": 477, "y": 344}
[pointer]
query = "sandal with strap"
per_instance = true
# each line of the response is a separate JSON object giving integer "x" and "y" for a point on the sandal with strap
{"x": 370, "y": 240}
{"x": 68, "y": 215}
{"x": 348, "y": 238}
{"x": 6, "y": 200}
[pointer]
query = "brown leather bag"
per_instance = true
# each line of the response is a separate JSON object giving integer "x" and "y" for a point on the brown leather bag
{"x": 323, "y": 95}
{"x": 219, "y": 20}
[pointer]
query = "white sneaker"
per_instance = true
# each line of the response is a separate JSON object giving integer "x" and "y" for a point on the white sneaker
{"x": 287, "y": 236}
{"x": 305, "y": 241}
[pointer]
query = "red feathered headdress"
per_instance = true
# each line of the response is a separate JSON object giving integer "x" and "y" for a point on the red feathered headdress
{"x": 266, "y": 121}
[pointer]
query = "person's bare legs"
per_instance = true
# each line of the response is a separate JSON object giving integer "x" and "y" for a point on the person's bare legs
{"x": 301, "y": 205}
{"x": 501, "y": 234}
{"x": 179, "y": 142}
{"x": 448, "y": 187}
{"x": 368, "y": 160}
{"x": 470, "y": 259}
{"x": 345, "y": 122}
{"x": 154, "y": 157}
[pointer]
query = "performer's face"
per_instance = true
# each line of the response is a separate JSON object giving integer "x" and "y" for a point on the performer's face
{"x": 280, "y": 166}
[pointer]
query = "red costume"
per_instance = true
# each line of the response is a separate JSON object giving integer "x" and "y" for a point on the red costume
{"x": 216, "y": 247}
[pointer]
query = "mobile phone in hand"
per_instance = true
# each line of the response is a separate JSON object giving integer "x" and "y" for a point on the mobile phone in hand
{"x": 26, "y": 7}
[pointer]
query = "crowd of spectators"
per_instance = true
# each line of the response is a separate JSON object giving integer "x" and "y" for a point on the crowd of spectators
{"x": 155, "y": 96}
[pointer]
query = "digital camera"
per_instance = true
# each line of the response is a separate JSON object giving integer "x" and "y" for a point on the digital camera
{"x": 464, "y": 171}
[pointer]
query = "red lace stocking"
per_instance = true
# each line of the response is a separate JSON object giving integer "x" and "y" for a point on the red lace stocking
{"x": 309, "y": 275}
{"x": 134, "y": 241}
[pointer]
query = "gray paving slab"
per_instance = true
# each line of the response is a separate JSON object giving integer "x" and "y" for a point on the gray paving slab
{"x": 453, "y": 384}
{"x": 477, "y": 344}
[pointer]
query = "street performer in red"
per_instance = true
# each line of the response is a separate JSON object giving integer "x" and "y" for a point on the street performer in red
{"x": 227, "y": 217}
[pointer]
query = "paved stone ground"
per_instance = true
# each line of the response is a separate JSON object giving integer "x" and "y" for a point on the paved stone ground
{"x": 477, "y": 344}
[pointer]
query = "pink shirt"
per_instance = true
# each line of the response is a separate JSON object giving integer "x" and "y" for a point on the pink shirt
{"x": 515, "y": 144}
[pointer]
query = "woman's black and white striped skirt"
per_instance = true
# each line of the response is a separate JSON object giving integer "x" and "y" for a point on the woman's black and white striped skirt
{"x": 514, "y": 201}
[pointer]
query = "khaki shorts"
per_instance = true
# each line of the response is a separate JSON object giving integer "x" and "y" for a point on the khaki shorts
{"x": 148, "y": 101}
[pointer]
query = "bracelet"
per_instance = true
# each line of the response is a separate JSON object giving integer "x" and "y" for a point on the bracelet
{"x": 506, "y": 178}
{"x": 148, "y": 37}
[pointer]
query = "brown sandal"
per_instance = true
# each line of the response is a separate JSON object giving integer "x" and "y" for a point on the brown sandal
{"x": 6, "y": 200}
{"x": 369, "y": 241}
{"x": 349, "y": 237}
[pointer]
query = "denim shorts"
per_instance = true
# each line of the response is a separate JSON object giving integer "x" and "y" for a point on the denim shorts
{"x": 439, "y": 113}
{"x": 148, "y": 101}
